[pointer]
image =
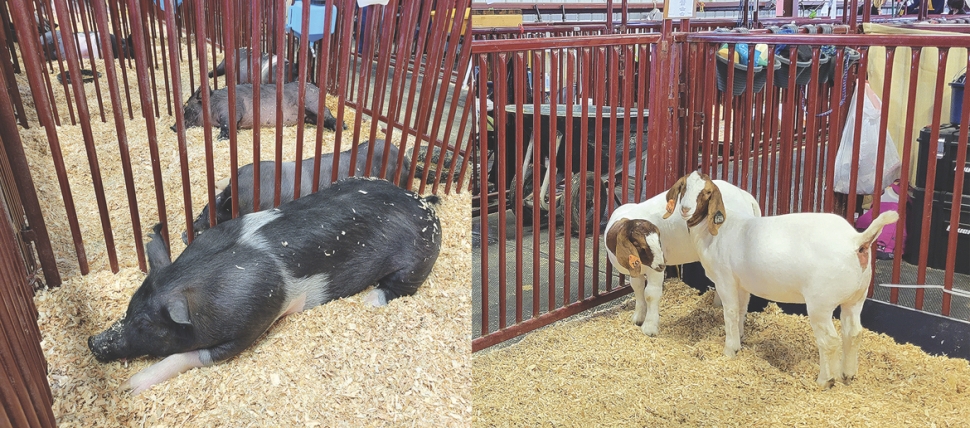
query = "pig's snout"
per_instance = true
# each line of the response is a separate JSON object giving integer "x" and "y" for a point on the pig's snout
{"x": 107, "y": 345}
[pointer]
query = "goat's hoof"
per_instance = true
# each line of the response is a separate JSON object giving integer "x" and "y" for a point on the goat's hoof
{"x": 650, "y": 329}
{"x": 846, "y": 379}
{"x": 637, "y": 320}
{"x": 730, "y": 353}
{"x": 826, "y": 384}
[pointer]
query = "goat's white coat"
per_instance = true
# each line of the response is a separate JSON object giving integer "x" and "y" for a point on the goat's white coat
{"x": 675, "y": 244}
{"x": 810, "y": 258}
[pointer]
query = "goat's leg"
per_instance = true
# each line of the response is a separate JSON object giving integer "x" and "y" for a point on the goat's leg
{"x": 640, "y": 311}
{"x": 828, "y": 344}
{"x": 655, "y": 284}
{"x": 743, "y": 298}
{"x": 729, "y": 297}
{"x": 851, "y": 328}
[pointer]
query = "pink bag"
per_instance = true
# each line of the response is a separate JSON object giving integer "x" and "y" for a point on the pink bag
{"x": 886, "y": 241}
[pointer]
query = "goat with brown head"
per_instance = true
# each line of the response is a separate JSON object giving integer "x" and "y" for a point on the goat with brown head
{"x": 636, "y": 244}
{"x": 697, "y": 203}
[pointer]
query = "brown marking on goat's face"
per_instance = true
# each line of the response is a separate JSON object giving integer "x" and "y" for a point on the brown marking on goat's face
{"x": 627, "y": 240}
{"x": 709, "y": 205}
{"x": 673, "y": 194}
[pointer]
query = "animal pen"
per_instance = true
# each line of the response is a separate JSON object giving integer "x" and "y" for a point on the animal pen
{"x": 582, "y": 118}
{"x": 89, "y": 166}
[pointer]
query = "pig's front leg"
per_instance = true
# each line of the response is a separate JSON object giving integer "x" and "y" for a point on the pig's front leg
{"x": 175, "y": 364}
{"x": 163, "y": 370}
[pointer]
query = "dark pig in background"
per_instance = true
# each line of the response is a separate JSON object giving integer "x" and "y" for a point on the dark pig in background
{"x": 231, "y": 284}
{"x": 267, "y": 175}
{"x": 53, "y": 45}
{"x": 267, "y": 68}
{"x": 219, "y": 107}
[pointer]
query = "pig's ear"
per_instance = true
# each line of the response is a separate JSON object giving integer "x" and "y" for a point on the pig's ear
{"x": 178, "y": 311}
{"x": 158, "y": 256}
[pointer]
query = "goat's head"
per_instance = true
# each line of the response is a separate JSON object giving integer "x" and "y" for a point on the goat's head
{"x": 636, "y": 243}
{"x": 699, "y": 199}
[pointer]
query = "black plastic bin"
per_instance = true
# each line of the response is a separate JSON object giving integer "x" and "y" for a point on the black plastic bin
{"x": 803, "y": 69}
{"x": 939, "y": 230}
{"x": 850, "y": 57}
{"x": 945, "y": 149}
{"x": 740, "y": 76}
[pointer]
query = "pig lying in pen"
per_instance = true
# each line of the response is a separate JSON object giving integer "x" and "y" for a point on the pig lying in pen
{"x": 219, "y": 107}
{"x": 229, "y": 286}
{"x": 52, "y": 43}
{"x": 267, "y": 175}
{"x": 267, "y": 68}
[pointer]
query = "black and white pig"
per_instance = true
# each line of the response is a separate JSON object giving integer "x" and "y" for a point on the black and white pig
{"x": 267, "y": 68}
{"x": 267, "y": 175}
{"x": 53, "y": 45}
{"x": 219, "y": 107}
{"x": 230, "y": 285}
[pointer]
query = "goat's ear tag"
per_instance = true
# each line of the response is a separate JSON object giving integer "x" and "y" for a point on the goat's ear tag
{"x": 634, "y": 262}
{"x": 718, "y": 217}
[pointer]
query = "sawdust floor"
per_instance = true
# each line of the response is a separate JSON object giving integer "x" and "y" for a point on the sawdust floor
{"x": 340, "y": 364}
{"x": 602, "y": 371}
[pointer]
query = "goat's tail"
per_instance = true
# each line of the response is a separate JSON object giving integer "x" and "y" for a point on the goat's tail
{"x": 869, "y": 235}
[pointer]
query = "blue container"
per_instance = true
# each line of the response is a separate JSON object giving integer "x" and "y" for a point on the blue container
{"x": 161, "y": 4}
{"x": 316, "y": 27}
{"x": 956, "y": 98}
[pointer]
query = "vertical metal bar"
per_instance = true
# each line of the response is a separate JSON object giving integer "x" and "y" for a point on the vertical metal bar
{"x": 463, "y": 70}
{"x": 500, "y": 82}
{"x": 280, "y": 10}
{"x": 599, "y": 103}
{"x": 114, "y": 8}
{"x": 856, "y": 137}
{"x": 342, "y": 90}
{"x": 483, "y": 186}
{"x": 388, "y": 22}
{"x": 501, "y": 160}
{"x": 553, "y": 144}
{"x": 728, "y": 103}
{"x": 588, "y": 92}
{"x": 101, "y": 13}
{"x": 568, "y": 162}
{"x": 811, "y": 131}
{"x": 75, "y": 67}
{"x": 428, "y": 88}
{"x": 34, "y": 70}
{"x": 904, "y": 174}
{"x": 170, "y": 26}
{"x": 408, "y": 20}
{"x": 324, "y": 52}
{"x": 13, "y": 146}
{"x": 835, "y": 130}
{"x": 301, "y": 101}
{"x": 537, "y": 84}
{"x": 411, "y": 99}
{"x": 140, "y": 42}
{"x": 881, "y": 150}
{"x": 255, "y": 58}
{"x": 229, "y": 45}
{"x": 931, "y": 166}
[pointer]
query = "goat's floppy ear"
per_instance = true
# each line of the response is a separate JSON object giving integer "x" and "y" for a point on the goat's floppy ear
{"x": 618, "y": 241}
{"x": 715, "y": 211}
{"x": 673, "y": 194}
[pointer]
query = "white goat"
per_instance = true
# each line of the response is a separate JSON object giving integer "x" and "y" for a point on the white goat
{"x": 814, "y": 258}
{"x": 633, "y": 243}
